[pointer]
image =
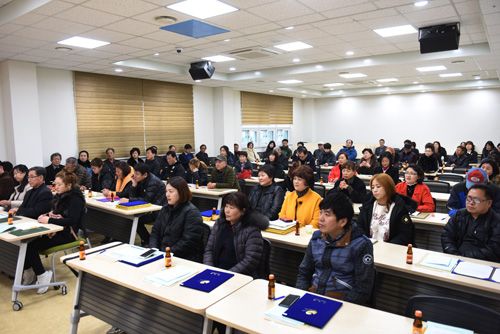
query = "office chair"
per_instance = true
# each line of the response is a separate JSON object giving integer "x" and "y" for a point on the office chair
{"x": 450, "y": 177}
{"x": 321, "y": 190}
{"x": 264, "y": 268}
{"x": 438, "y": 186}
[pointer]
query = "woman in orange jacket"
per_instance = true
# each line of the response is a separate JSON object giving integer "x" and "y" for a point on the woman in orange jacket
{"x": 415, "y": 189}
{"x": 336, "y": 172}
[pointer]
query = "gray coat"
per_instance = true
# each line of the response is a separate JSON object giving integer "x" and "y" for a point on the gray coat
{"x": 83, "y": 176}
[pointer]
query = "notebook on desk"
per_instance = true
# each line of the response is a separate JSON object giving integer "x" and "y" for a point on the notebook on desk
{"x": 313, "y": 310}
{"x": 208, "y": 213}
{"x": 207, "y": 280}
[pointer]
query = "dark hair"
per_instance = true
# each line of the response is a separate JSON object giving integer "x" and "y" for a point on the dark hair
{"x": 274, "y": 154}
{"x": 340, "y": 205}
{"x": 349, "y": 140}
{"x": 420, "y": 172}
{"x": 269, "y": 170}
{"x": 243, "y": 153}
{"x": 493, "y": 165}
{"x": 124, "y": 167}
{"x": 110, "y": 148}
{"x": 387, "y": 155}
{"x": 413, "y": 144}
{"x": 141, "y": 167}
{"x": 328, "y": 146}
{"x": 225, "y": 149}
{"x": 382, "y": 139}
{"x": 301, "y": 143}
{"x": 489, "y": 142}
{"x": 301, "y": 149}
{"x": 171, "y": 153}
{"x": 53, "y": 155}
{"x": 437, "y": 143}
{"x": 407, "y": 141}
{"x": 367, "y": 150}
{"x": 135, "y": 149}
{"x": 429, "y": 145}
{"x": 171, "y": 146}
{"x": 24, "y": 182}
{"x": 68, "y": 178}
{"x": 72, "y": 160}
{"x": 349, "y": 165}
{"x": 86, "y": 163}
{"x": 96, "y": 162}
{"x": 488, "y": 192}
{"x": 284, "y": 140}
{"x": 236, "y": 144}
{"x": 187, "y": 146}
{"x": 152, "y": 149}
{"x": 250, "y": 143}
{"x": 202, "y": 146}
{"x": 306, "y": 173}
{"x": 495, "y": 155}
{"x": 269, "y": 145}
{"x": 180, "y": 184}
{"x": 470, "y": 142}
{"x": 239, "y": 200}
{"x": 343, "y": 153}
{"x": 462, "y": 148}
{"x": 7, "y": 166}
{"x": 39, "y": 171}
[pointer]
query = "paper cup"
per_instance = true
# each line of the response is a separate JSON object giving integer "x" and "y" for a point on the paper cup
{"x": 309, "y": 229}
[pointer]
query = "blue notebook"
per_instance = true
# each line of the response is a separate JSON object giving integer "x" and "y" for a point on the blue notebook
{"x": 208, "y": 213}
{"x": 140, "y": 263}
{"x": 207, "y": 280}
{"x": 313, "y": 310}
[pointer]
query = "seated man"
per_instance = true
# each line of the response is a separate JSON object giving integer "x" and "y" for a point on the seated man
{"x": 339, "y": 259}
{"x": 303, "y": 158}
{"x": 152, "y": 162}
{"x": 349, "y": 149}
{"x": 110, "y": 159}
{"x": 282, "y": 159}
{"x": 381, "y": 148}
{"x": 84, "y": 179}
{"x": 459, "y": 158}
{"x": 173, "y": 167}
{"x": 460, "y": 190}
{"x": 474, "y": 231}
{"x": 285, "y": 150}
{"x": 185, "y": 156}
{"x": 54, "y": 168}
{"x": 147, "y": 188}
{"x": 38, "y": 200}
{"x": 350, "y": 185}
{"x": 319, "y": 151}
{"x": 223, "y": 176}
{"x": 327, "y": 158}
{"x": 243, "y": 164}
{"x": 407, "y": 155}
{"x": 202, "y": 155}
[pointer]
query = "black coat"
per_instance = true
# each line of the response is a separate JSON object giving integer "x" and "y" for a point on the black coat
{"x": 246, "y": 165}
{"x": 154, "y": 167}
{"x": 428, "y": 164}
{"x": 272, "y": 199}
{"x": 391, "y": 171}
{"x": 151, "y": 190}
{"x": 104, "y": 180}
{"x": 6, "y": 186}
{"x": 459, "y": 161}
{"x": 471, "y": 157}
{"x": 202, "y": 157}
{"x": 401, "y": 228}
{"x": 181, "y": 229}
{"x": 309, "y": 161}
{"x": 278, "y": 167}
{"x": 200, "y": 175}
{"x": 71, "y": 206}
{"x": 131, "y": 162}
{"x": 169, "y": 171}
{"x": 36, "y": 202}
{"x": 327, "y": 158}
{"x": 51, "y": 173}
{"x": 356, "y": 192}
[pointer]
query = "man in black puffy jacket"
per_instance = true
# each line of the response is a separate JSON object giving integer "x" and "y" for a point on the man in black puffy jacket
{"x": 267, "y": 197}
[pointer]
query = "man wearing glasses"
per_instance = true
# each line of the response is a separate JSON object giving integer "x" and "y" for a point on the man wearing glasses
{"x": 474, "y": 231}
{"x": 39, "y": 199}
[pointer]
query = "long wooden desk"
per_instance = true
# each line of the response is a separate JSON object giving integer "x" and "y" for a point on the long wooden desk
{"x": 117, "y": 293}
{"x": 212, "y": 194}
{"x": 244, "y": 310}
{"x": 106, "y": 219}
{"x": 13, "y": 254}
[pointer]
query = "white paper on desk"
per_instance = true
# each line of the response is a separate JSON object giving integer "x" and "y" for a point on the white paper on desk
{"x": 127, "y": 253}
{"x": 3, "y": 215}
{"x": 276, "y": 313}
{"x": 475, "y": 270}
{"x": 438, "y": 261}
{"x": 437, "y": 328}
{"x": 496, "y": 275}
{"x": 281, "y": 224}
{"x": 416, "y": 213}
{"x": 27, "y": 226}
{"x": 170, "y": 276}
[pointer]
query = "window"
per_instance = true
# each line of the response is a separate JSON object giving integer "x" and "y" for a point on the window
{"x": 266, "y": 133}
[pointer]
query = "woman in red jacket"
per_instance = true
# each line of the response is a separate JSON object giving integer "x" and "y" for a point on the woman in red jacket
{"x": 414, "y": 188}
{"x": 336, "y": 172}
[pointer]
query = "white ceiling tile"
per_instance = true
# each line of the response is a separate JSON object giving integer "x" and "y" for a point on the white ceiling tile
{"x": 88, "y": 16}
{"x": 281, "y": 10}
{"x": 168, "y": 37}
{"x": 143, "y": 43}
{"x": 350, "y": 10}
{"x": 106, "y": 35}
{"x": 44, "y": 35}
{"x": 13, "y": 48}
{"x": 53, "y": 7}
{"x": 297, "y": 21}
{"x": 28, "y": 19}
{"x": 22, "y": 41}
{"x": 132, "y": 27}
{"x": 55, "y": 24}
{"x": 118, "y": 48}
{"x": 236, "y": 20}
{"x": 259, "y": 28}
{"x": 121, "y": 7}
{"x": 433, "y": 14}
{"x": 341, "y": 29}
{"x": 10, "y": 28}
{"x": 376, "y": 14}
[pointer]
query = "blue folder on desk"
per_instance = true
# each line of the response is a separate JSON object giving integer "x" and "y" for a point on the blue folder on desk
{"x": 208, "y": 213}
{"x": 313, "y": 310}
{"x": 141, "y": 262}
{"x": 207, "y": 280}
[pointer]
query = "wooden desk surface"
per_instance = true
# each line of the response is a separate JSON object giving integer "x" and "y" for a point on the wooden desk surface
{"x": 217, "y": 192}
{"x": 434, "y": 218}
{"x": 255, "y": 180}
{"x": 6, "y": 236}
{"x": 133, "y": 278}
{"x": 245, "y": 309}
{"x": 107, "y": 206}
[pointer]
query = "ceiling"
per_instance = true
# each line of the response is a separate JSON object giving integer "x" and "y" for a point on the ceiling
{"x": 30, "y": 32}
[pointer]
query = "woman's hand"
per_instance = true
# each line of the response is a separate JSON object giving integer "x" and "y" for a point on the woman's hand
{"x": 106, "y": 192}
{"x": 43, "y": 219}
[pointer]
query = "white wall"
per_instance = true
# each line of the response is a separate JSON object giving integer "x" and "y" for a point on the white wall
{"x": 57, "y": 113}
{"x": 449, "y": 117}
{"x": 204, "y": 118}
{"x": 3, "y": 141}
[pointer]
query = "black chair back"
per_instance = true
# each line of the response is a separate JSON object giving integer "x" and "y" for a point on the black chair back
{"x": 438, "y": 186}
{"x": 462, "y": 171}
{"x": 206, "y": 234}
{"x": 264, "y": 268}
{"x": 450, "y": 177}
{"x": 243, "y": 186}
{"x": 321, "y": 190}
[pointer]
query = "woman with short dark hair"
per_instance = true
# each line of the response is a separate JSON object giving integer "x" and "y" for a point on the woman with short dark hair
{"x": 470, "y": 152}
{"x": 350, "y": 185}
{"x": 84, "y": 160}
{"x": 179, "y": 223}
{"x": 16, "y": 198}
{"x": 488, "y": 148}
{"x": 439, "y": 150}
{"x": 270, "y": 148}
{"x": 492, "y": 170}
{"x": 273, "y": 160}
{"x": 368, "y": 162}
{"x": 386, "y": 167}
{"x": 428, "y": 160}
{"x": 224, "y": 150}
{"x": 414, "y": 188}
{"x": 134, "y": 157}
{"x": 267, "y": 196}
{"x": 102, "y": 176}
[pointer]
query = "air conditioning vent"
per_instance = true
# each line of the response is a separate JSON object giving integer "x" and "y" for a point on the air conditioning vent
{"x": 255, "y": 52}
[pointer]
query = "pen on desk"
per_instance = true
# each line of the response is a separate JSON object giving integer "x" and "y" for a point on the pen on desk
{"x": 102, "y": 251}
{"x": 278, "y": 298}
{"x": 443, "y": 218}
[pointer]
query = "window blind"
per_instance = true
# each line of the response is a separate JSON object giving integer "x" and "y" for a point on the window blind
{"x": 262, "y": 109}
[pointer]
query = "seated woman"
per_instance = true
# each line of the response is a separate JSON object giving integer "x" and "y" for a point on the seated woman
{"x": 488, "y": 147}
{"x": 302, "y": 204}
{"x": 470, "y": 152}
{"x": 123, "y": 181}
{"x": 242, "y": 167}
{"x": 428, "y": 160}
{"x": 16, "y": 198}
{"x": 67, "y": 210}
{"x": 387, "y": 167}
{"x": 440, "y": 151}
{"x": 179, "y": 224}
{"x": 83, "y": 160}
{"x": 224, "y": 150}
{"x": 368, "y": 162}
{"x": 273, "y": 160}
{"x": 270, "y": 148}
{"x": 197, "y": 171}
{"x": 492, "y": 170}
{"x": 415, "y": 189}
{"x": 336, "y": 172}
{"x": 267, "y": 197}
{"x": 134, "y": 157}
{"x": 385, "y": 217}
{"x": 350, "y": 185}
{"x": 252, "y": 154}
{"x": 102, "y": 176}
{"x": 235, "y": 243}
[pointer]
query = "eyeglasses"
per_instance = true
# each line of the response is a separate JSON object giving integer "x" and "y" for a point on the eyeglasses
{"x": 475, "y": 200}
{"x": 33, "y": 177}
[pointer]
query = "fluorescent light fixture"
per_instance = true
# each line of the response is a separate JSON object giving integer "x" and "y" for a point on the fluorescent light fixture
{"x": 197, "y": 81}
{"x": 476, "y": 77}
{"x": 227, "y": 40}
{"x": 303, "y": 96}
{"x": 396, "y": 31}
{"x": 257, "y": 73}
{"x": 202, "y": 9}
{"x": 318, "y": 67}
{"x": 387, "y": 80}
{"x": 289, "y": 82}
{"x": 415, "y": 82}
{"x": 449, "y": 75}
{"x": 232, "y": 68}
{"x": 295, "y": 60}
{"x": 352, "y": 75}
{"x": 431, "y": 68}
{"x": 289, "y": 28}
{"x": 156, "y": 54}
{"x": 82, "y": 42}
{"x": 349, "y": 53}
{"x": 218, "y": 59}
{"x": 119, "y": 70}
{"x": 294, "y": 46}
{"x": 379, "y": 85}
{"x": 335, "y": 84}
{"x": 421, "y": 3}
{"x": 271, "y": 91}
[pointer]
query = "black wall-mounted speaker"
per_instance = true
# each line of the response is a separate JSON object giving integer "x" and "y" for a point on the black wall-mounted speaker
{"x": 438, "y": 38}
{"x": 201, "y": 70}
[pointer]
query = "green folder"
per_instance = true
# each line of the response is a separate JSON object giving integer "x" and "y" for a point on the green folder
{"x": 20, "y": 233}
{"x": 6, "y": 220}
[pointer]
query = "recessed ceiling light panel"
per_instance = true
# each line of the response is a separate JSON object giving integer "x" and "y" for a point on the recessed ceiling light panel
{"x": 202, "y": 9}
{"x": 335, "y": 84}
{"x": 218, "y": 59}
{"x": 396, "y": 31}
{"x": 387, "y": 80}
{"x": 431, "y": 68}
{"x": 294, "y": 46}
{"x": 289, "y": 82}
{"x": 450, "y": 75}
{"x": 82, "y": 42}
{"x": 421, "y": 3}
{"x": 352, "y": 75}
